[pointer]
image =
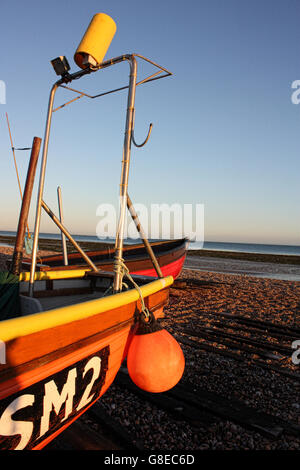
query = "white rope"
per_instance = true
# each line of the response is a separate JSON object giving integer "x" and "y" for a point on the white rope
{"x": 119, "y": 265}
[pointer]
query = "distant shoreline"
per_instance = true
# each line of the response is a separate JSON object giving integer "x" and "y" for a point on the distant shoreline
{"x": 261, "y": 257}
{"x": 53, "y": 244}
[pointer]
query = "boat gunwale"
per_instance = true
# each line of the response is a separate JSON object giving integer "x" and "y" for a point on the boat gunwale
{"x": 176, "y": 254}
{"x": 178, "y": 249}
{"x": 22, "y": 326}
{"x": 111, "y": 250}
{"x": 69, "y": 348}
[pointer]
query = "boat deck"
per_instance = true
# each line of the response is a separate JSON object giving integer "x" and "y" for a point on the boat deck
{"x": 51, "y": 302}
{"x": 64, "y": 292}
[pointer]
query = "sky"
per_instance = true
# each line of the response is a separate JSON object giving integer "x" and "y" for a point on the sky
{"x": 225, "y": 130}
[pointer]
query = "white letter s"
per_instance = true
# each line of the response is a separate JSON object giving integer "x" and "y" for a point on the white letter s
{"x": 9, "y": 427}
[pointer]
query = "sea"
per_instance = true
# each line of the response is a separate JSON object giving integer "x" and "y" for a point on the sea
{"x": 207, "y": 245}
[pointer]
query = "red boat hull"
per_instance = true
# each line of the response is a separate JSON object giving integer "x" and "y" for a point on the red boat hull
{"x": 172, "y": 269}
{"x": 170, "y": 255}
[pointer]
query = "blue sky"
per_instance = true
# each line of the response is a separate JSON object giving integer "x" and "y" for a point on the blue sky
{"x": 225, "y": 131}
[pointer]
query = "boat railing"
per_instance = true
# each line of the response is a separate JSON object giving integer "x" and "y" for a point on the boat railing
{"x": 125, "y": 201}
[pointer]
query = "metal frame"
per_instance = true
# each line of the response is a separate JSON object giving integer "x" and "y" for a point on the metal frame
{"x": 129, "y": 137}
{"x": 61, "y": 219}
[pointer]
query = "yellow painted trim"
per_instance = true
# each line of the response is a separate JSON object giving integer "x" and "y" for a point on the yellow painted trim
{"x": 22, "y": 326}
{"x": 44, "y": 275}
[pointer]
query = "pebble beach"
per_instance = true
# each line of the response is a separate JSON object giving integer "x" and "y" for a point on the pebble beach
{"x": 212, "y": 287}
{"x": 265, "y": 391}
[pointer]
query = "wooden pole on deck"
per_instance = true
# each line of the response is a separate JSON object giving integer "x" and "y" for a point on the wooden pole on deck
{"x": 143, "y": 237}
{"x": 68, "y": 235}
{"x": 61, "y": 218}
{"x": 18, "y": 251}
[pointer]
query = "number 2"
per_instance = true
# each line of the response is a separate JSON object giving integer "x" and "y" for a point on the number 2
{"x": 95, "y": 364}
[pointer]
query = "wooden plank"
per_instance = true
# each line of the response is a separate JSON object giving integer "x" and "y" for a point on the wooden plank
{"x": 217, "y": 332}
{"x": 80, "y": 436}
{"x": 208, "y": 348}
{"x": 235, "y": 410}
{"x": 238, "y": 357}
{"x": 266, "y": 331}
{"x": 258, "y": 323}
{"x": 197, "y": 399}
{"x": 239, "y": 346}
{"x": 112, "y": 428}
{"x": 179, "y": 410}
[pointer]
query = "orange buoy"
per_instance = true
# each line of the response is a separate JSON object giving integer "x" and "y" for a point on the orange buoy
{"x": 155, "y": 360}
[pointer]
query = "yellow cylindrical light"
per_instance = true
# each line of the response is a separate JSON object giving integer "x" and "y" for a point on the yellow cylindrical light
{"x": 96, "y": 41}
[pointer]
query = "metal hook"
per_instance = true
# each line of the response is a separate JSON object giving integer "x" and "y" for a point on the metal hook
{"x": 148, "y": 135}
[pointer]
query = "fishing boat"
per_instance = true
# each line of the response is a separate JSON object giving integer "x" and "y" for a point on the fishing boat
{"x": 64, "y": 333}
{"x": 170, "y": 255}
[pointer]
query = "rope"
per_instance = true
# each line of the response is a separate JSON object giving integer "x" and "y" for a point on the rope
{"x": 25, "y": 148}
{"x": 119, "y": 265}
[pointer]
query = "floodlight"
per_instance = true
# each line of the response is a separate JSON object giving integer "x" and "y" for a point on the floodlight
{"x": 61, "y": 65}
